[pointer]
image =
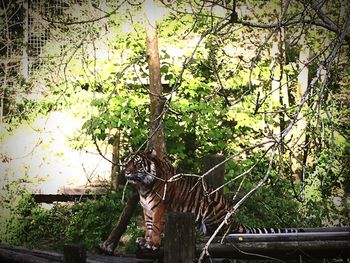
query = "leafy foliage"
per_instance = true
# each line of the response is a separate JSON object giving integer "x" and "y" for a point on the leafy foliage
{"x": 220, "y": 99}
{"x": 87, "y": 222}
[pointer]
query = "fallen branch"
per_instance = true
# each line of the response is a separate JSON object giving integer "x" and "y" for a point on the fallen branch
{"x": 112, "y": 241}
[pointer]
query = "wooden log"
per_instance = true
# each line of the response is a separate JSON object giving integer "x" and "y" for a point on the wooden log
{"x": 150, "y": 255}
{"x": 216, "y": 260}
{"x": 112, "y": 241}
{"x": 326, "y": 229}
{"x": 51, "y": 198}
{"x": 284, "y": 237}
{"x": 319, "y": 249}
{"x": 280, "y": 250}
{"x": 216, "y": 177}
{"x": 74, "y": 253}
{"x": 179, "y": 242}
{"x": 283, "y": 246}
{"x": 24, "y": 255}
{"x": 8, "y": 256}
{"x": 97, "y": 189}
{"x": 50, "y": 255}
{"x": 116, "y": 259}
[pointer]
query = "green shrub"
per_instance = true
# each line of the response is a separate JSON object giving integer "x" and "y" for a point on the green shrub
{"x": 88, "y": 222}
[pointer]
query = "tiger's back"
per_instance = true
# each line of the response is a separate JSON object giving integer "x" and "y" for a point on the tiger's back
{"x": 190, "y": 194}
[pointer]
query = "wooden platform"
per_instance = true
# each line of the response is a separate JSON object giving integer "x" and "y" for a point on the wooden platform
{"x": 316, "y": 243}
{"x": 11, "y": 254}
{"x": 69, "y": 194}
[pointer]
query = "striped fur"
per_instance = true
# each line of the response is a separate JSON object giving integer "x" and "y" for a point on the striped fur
{"x": 159, "y": 196}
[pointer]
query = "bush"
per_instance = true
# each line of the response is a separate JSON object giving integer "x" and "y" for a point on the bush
{"x": 88, "y": 222}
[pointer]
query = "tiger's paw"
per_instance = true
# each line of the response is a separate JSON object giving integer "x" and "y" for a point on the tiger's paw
{"x": 141, "y": 241}
{"x": 106, "y": 248}
{"x": 149, "y": 245}
{"x": 146, "y": 245}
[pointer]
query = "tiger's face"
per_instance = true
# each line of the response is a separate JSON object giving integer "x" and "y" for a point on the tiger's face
{"x": 140, "y": 170}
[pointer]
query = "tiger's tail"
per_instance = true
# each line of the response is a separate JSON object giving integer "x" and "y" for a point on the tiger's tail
{"x": 244, "y": 229}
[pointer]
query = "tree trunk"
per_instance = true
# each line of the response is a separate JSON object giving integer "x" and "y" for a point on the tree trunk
{"x": 275, "y": 86}
{"x": 299, "y": 132}
{"x": 115, "y": 159}
{"x": 156, "y": 136}
{"x": 215, "y": 178}
{"x": 112, "y": 241}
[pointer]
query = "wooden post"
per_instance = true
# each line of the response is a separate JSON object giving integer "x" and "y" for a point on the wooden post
{"x": 179, "y": 241}
{"x": 74, "y": 253}
{"x": 216, "y": 177}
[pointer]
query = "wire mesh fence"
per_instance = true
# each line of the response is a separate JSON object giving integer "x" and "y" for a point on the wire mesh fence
{"x": 25, "y": 31}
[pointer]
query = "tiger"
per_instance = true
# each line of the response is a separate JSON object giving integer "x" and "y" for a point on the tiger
{"x": 160, "y": 194}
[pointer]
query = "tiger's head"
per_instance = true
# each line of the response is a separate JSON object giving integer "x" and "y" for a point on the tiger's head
{"x": 140, "y": 168}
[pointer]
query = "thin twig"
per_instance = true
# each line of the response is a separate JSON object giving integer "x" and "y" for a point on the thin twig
{"x": 85, "y": 21}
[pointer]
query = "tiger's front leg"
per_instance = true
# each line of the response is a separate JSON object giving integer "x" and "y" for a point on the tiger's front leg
{"x": 158, "y": 222}
{"x": 142, "y": 242}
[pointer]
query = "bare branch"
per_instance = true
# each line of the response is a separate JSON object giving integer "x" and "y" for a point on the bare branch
{"x": 328, "y": 23}
{"x": 85, "y": 21}
{"x": 329, "y": 26}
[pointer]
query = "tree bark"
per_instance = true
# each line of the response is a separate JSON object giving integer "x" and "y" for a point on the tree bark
{"x": 180, "y": 240}
{"x": 156, "y": 136}
{"x": 74, "y": 253}
{"x": 215, "y": 178}
{"x": 115, "y": 172}
{"x": 112, "y": 241}
{"x": 299, "y": 132}
{"x": 18, "y": 257}
{"x": 275, "y": 85}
